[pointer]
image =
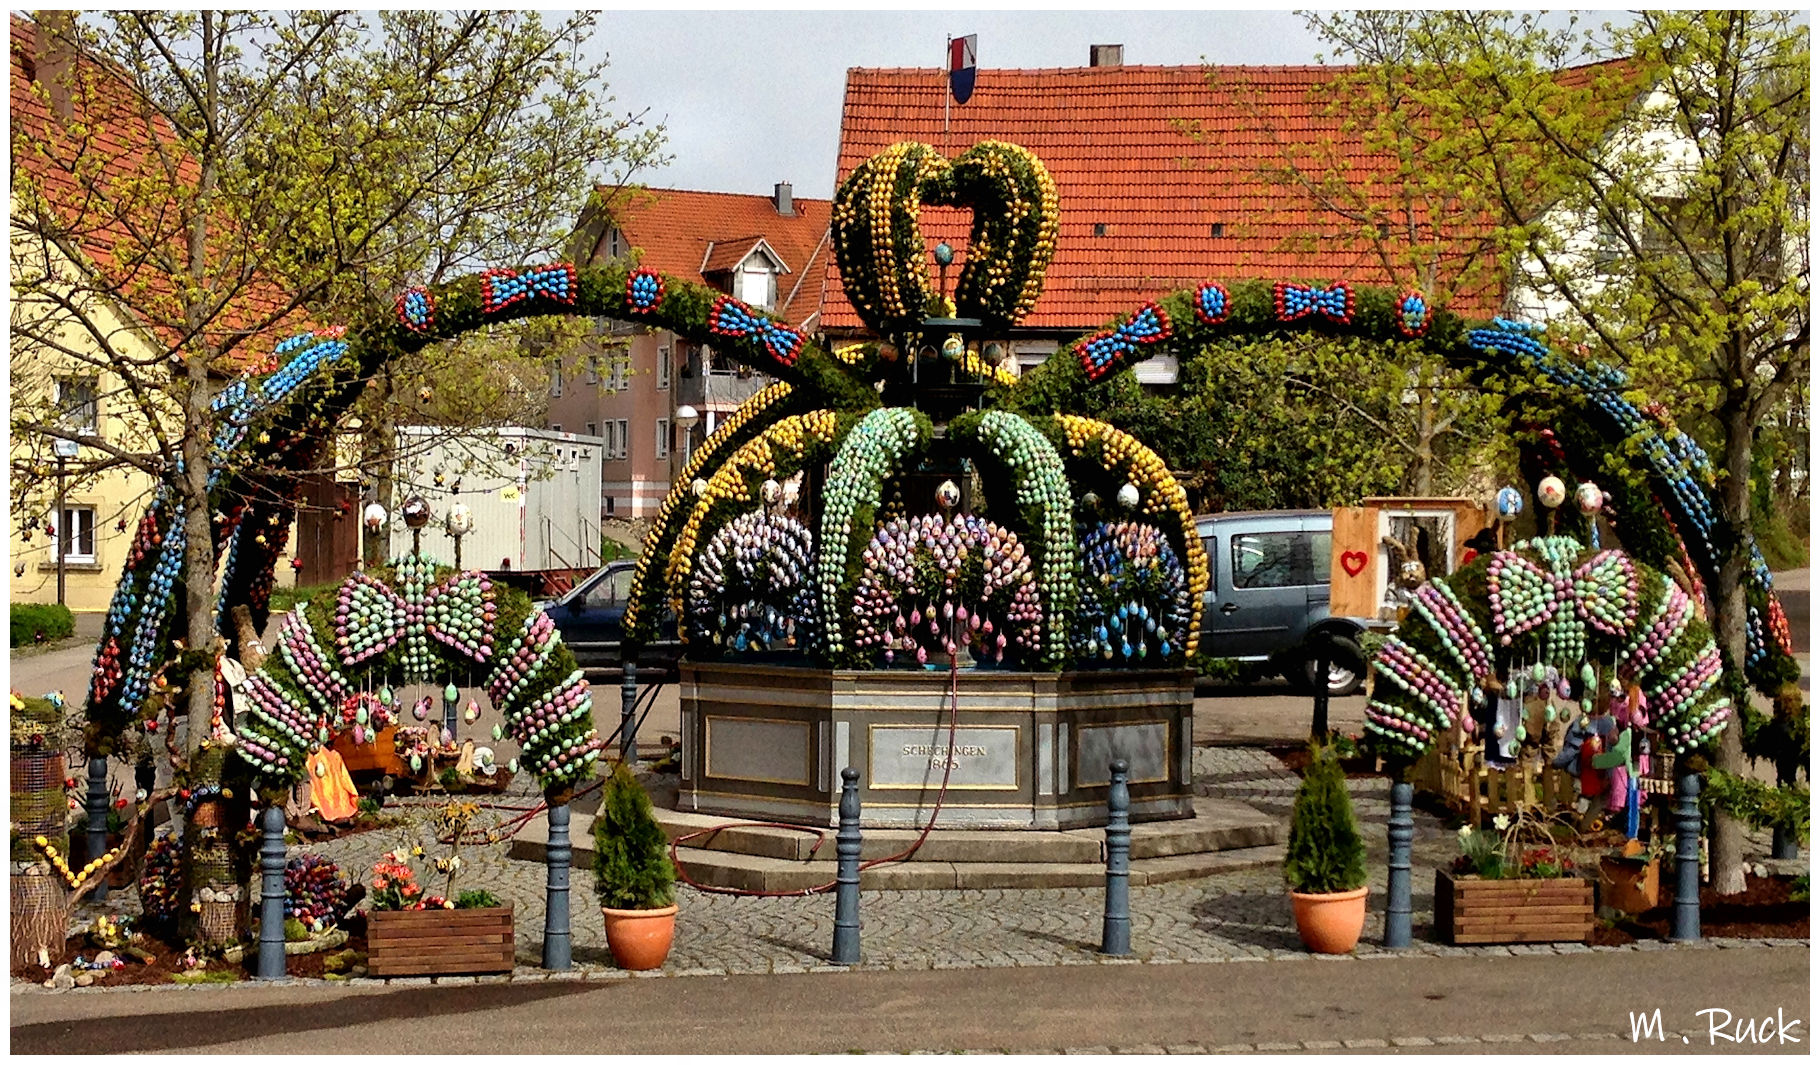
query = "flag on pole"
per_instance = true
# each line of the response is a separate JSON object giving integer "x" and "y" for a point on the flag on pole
{"x": 961, "y": 52}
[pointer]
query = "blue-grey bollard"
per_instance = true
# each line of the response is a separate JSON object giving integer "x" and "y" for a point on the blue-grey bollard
{"x": 1685, "y": 927}
{"x": 846, "y": 874}
{"x": 271, "y": 894}
{"x": 1397, "y": 905}
{"x": 97, "y": 815}
{"x": 1115, "y": 935}
{"x": 628, "y": 712}
{"x": 557, "y": 942}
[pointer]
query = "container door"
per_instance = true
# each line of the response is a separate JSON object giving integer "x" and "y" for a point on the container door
{"x": 1261, "y": 596}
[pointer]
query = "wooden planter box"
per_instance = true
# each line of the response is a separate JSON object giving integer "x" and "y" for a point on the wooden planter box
{"x": 1470, "y": 910}
{"x": 449, "y": 942}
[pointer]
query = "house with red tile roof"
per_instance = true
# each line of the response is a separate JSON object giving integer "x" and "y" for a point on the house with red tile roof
{"x": 1164, "y": 182}
{"x": 630, "y": 388}
{"x": 92, "y": 293}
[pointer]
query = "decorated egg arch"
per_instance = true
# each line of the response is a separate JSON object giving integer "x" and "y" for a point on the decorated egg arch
{"x": 1104, "y": 529}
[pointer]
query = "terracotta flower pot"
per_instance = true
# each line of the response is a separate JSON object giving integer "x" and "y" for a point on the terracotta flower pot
{"x": 1330, "y": 924}
{"x": 640, "y": 939}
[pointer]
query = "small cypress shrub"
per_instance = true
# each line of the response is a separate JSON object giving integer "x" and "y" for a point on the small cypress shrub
{"x": 632, "y": 869}
{"x": 1326, "y": 854}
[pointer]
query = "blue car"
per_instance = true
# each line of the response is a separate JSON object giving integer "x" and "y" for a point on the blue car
{"x": 591, "y": 619}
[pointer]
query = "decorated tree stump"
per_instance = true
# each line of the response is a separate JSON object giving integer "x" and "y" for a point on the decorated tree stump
{"x": 40, "y": 921}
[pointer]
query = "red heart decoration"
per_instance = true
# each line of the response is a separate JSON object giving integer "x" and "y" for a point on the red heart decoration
{"x": 1353, "y": 562}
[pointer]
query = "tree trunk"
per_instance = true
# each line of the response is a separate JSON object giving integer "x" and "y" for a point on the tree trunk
{"x": 1729, "y": 618}
{"x": 376, "y": 458}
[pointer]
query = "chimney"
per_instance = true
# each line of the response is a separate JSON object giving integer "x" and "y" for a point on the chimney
{"x": 55, "y": 60}
{"x": 1105, "y": 55}
{"x": 780, "y": 198}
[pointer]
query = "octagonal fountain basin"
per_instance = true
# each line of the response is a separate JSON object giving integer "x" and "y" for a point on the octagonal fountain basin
{"x": 1029, "y": 751}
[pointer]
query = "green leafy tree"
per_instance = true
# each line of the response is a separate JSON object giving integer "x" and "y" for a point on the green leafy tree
{"x": 1653, "y": 207}
{"x": 197, "y": 185}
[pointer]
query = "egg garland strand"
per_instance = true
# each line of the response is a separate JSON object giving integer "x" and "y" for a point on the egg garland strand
{"x": 931, "y": 586}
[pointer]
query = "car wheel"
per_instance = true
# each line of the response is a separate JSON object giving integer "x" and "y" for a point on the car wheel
{"x": 1345, "y": 668}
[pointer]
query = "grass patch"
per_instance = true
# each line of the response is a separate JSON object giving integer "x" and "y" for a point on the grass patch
{"x": 284, "y": 600}
{"x": 205, "y": 976}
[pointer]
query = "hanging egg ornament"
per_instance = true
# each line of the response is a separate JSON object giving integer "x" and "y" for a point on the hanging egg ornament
{"x": 948, "y": 494}
{"x": 1509, "y": 503}
{"x": 1550, "y": 492}
{"x": 1589, "y": 498}
{"x": 1128, "y": 496}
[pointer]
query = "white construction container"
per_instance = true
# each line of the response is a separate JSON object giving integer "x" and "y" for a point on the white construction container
{"x": 534, "y": 495}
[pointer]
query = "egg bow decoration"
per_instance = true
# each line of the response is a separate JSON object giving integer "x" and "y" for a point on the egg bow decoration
{"x": 415, "y": 622}
{"x": 1054, "y": 475}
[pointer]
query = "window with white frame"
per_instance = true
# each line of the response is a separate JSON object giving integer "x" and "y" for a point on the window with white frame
{"x": 77, "y": 406}
{"x": 76, "y": 533}
{"x": 663, "y": 438}
{"x": 663, "y": 368}
{"x": 591, "y": 428}
{"x": 616, "y": 375}
{"x": 624, "y": 436}
{"x": 591, "y": 366}
{"x": 556, "y": 381}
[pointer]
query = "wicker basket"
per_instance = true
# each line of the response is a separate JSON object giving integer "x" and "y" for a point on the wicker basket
{"x": 223, "y": 921}
{"x": 39, "y": 919}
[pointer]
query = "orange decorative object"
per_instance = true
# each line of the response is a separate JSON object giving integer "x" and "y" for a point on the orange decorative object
{"x": 331, "y": 788}
{"x": 381, "y": 753}
{"x": 640, "y": 939}
{"x": 1330, "y": 924}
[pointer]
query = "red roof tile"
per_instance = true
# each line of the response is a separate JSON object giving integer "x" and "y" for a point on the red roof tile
{"x": 689, "y": 234}
{"x": 83, "y": 163}
{"x": 1113, "y": 139}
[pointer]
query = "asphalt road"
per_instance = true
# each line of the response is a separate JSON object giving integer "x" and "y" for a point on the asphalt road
{"x": 1579, "y": 1003}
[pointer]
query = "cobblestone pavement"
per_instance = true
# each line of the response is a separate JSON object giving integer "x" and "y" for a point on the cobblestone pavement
{"x": 1240, "y": 916}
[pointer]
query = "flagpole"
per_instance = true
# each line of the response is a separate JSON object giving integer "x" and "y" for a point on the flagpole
{"x": 947, "y": 92}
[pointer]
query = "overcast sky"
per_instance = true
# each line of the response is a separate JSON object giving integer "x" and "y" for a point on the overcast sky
{"x": 751, "y": 98}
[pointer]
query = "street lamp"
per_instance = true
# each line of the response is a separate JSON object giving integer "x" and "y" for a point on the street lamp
{"x": 65, "y": 450}
{"x": 687, "y": 417}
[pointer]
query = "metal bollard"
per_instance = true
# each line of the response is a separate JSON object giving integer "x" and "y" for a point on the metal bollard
{"x": 1397, "y": 905}
{"x": 846, "y": 875}
{"x": 97, "y": 815}
{"x": 1115, "y": 935}
{"x": 628, "y": 712}
{"x": 271, "y": 894}
{"x": 1685, "y": 926}
{"x": 557, "y": 942}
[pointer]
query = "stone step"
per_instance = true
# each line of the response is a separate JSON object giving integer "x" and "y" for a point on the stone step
{"x": 1223, "y": 835}
{"x": 749, "y": 873}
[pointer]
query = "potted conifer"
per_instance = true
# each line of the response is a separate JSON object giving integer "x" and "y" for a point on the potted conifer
{"x": 1325, "y": 863}
{"x": 633, "y": 875}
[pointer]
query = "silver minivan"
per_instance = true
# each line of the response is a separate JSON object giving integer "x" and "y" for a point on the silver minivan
{"x": 1266, "y": 599}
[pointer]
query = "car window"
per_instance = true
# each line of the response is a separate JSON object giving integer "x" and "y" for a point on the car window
{"x": 1263, "y": 560}
{"x": 610, "y": 590}
{"x": 1320, "y": 549}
